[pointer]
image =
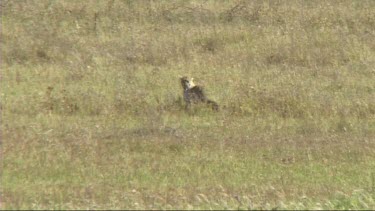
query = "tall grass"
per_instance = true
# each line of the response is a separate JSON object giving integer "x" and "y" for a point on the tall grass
{"x": 93, "y": 116}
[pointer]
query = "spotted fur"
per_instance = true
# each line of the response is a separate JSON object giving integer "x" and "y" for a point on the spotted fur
{"x": 195, "y": 94}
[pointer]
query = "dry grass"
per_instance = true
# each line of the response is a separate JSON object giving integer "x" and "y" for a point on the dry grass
{"x": 92, "y": 115}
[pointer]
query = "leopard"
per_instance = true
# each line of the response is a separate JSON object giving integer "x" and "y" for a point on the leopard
{"x": 195, "y": 94}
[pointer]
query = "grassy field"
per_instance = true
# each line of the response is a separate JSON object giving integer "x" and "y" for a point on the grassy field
{"x": 92, "y": 115}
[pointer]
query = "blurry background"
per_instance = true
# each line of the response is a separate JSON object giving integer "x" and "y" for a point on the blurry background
{"x": 93, "y": 116}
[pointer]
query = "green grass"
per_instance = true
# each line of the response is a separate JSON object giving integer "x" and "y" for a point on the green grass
{"x": 93, "y": 116}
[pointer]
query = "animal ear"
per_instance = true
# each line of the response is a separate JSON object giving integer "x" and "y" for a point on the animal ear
{"x": 192, "y": 79}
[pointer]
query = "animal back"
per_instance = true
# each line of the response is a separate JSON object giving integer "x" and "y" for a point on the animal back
{"x": 197, "y": 94}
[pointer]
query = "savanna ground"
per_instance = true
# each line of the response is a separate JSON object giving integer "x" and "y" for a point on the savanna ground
{"x": 92, "y": 115}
